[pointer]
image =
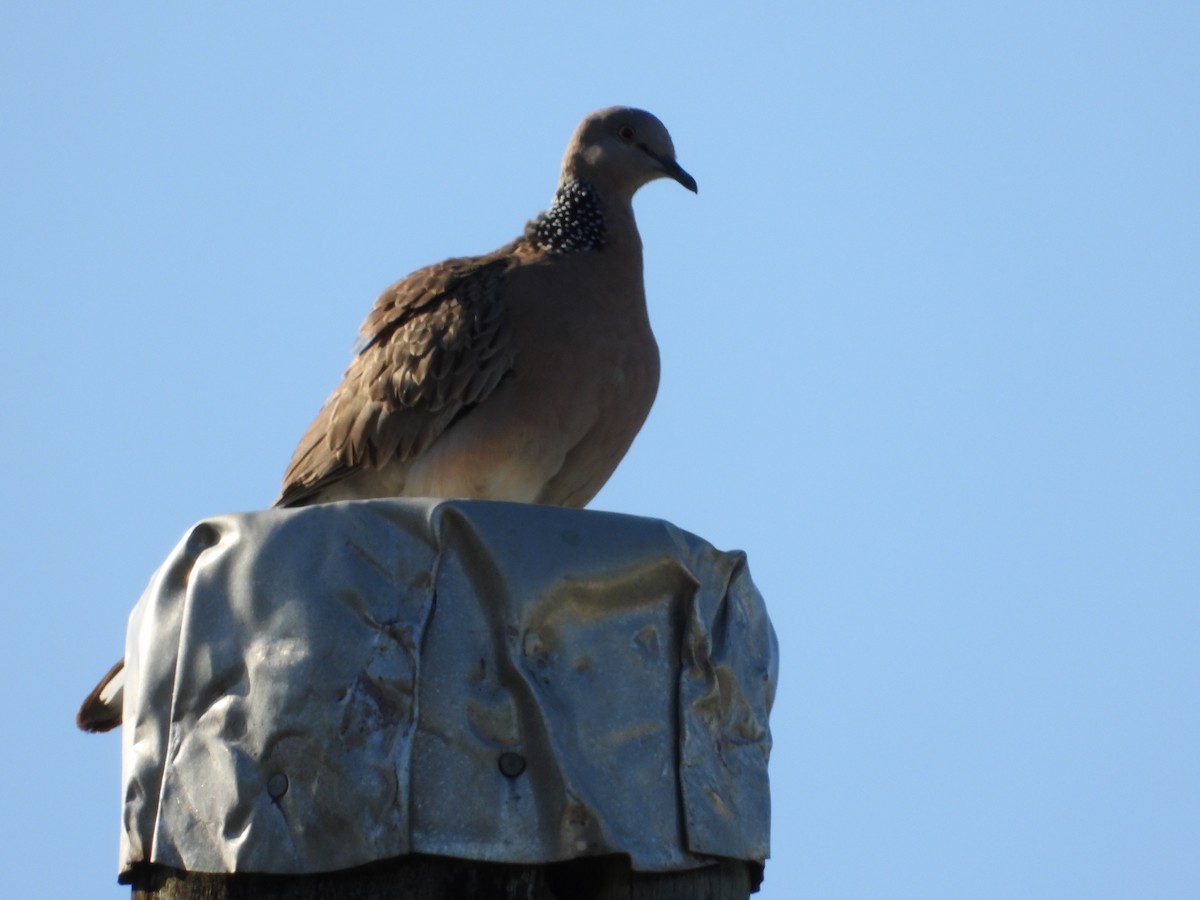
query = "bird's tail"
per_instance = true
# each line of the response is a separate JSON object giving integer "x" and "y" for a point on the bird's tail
{"x": 101, "y": 711}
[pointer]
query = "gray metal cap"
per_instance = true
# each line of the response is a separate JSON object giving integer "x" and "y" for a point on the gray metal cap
{"x": 319, "y": 688}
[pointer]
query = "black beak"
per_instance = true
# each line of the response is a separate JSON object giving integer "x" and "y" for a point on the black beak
{"x": 673, "y": 170}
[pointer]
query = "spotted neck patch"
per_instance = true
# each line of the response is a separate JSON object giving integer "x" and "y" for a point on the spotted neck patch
{"x": 573, "y": 222}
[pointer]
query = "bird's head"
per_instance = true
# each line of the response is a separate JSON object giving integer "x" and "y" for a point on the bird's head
{"x": 619, "y": 149}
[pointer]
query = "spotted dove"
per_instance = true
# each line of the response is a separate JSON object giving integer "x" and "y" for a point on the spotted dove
{"x": 523, "y": 374}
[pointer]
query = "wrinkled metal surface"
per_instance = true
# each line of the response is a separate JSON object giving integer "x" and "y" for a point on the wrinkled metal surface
{"x": 314, "y": 689}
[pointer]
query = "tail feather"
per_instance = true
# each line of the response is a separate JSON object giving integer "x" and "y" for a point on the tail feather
{"x": 102, "y": 709}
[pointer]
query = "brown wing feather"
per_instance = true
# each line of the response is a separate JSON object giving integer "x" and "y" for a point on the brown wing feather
{"x": 435, "y": 344}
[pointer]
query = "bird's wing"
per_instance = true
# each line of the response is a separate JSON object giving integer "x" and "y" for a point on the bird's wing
{"x": 436, "y": 344}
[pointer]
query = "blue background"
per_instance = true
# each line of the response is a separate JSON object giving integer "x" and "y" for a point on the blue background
{"x": 930, "y": 339}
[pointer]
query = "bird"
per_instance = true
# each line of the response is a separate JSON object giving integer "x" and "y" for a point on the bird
{"x": 522, "y": 375}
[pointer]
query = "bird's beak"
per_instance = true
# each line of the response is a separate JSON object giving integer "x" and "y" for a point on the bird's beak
{"x": 674, "y": 170}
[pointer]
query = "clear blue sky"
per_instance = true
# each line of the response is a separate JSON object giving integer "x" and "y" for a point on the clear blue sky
{"x": 931, "y": 353}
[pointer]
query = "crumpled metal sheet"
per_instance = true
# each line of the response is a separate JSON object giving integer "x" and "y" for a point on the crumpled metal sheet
{"x": 314, "y": 689}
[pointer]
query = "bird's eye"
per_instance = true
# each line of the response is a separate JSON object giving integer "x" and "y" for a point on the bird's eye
{"x": 625, "y": 132}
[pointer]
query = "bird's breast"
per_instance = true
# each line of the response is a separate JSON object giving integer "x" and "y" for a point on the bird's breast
{"x": 584, "y": 376}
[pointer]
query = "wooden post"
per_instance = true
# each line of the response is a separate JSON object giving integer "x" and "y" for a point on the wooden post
{"x": 436, "y": 878}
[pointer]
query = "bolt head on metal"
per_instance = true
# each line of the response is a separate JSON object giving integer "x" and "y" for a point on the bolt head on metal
{"x": 511, "y": 764}
{"x": 277, "y": 785}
